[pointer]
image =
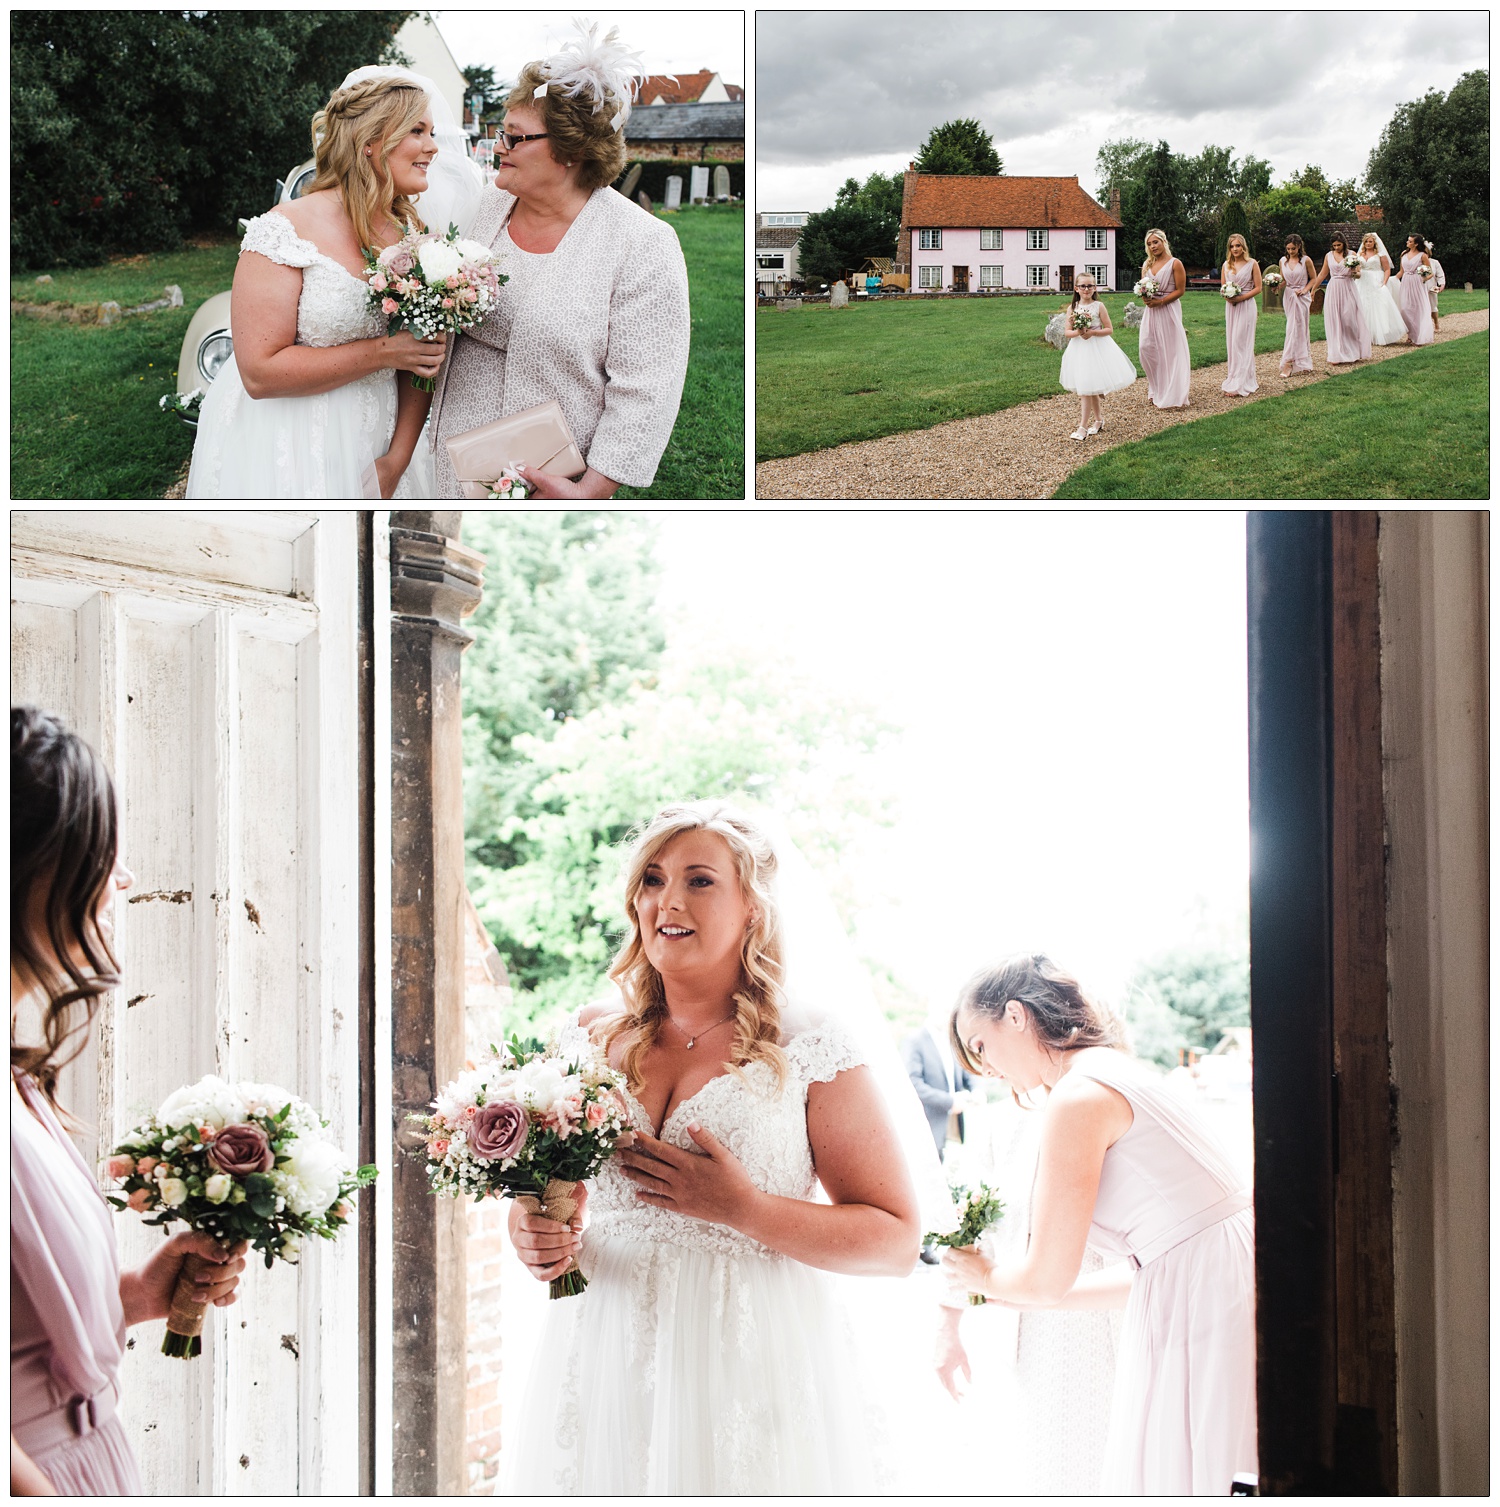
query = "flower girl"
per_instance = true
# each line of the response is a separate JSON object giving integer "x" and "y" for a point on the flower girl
{"x": 1092, "y": 363}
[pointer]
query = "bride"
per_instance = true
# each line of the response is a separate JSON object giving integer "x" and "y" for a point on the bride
{"x": 310, "y": 405}
{"x": 1382, "y": 314}
{"x": 709, "y": 1354}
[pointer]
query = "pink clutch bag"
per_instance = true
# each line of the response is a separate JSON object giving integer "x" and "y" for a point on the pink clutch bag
{"x": 537, "y": 437}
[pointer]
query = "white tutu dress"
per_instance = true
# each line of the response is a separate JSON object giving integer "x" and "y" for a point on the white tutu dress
{"x": 321, "y": 446}
{"x": 697, "y": 1361}
{"x": 1382, "y": 313}
{"x": 1096, "y": 365}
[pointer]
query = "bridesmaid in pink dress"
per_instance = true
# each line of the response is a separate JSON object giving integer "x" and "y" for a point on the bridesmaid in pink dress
{"x": 1344, "y": 324}
{"x": 1129, "y": 1171}
{"x": 70, "y": 1302}
{"x": 1163, "y": 344}
{"x": 1416, "y": 307}
{"x": 1239, "y": 318}
{"x": 1296, "y": 302}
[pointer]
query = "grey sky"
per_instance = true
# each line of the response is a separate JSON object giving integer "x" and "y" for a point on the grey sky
{"x": 841, "y": 93}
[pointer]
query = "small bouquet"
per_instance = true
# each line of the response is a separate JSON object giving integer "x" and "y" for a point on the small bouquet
{"x": 530, "y": 1124}
{"x": 239, "y": 1161}
{"x": 1425, "y": 272}
{"x": 507, "y": 487}
{"x": 184, "y": 404}
{"x": 1146, "y": 288}
{"x": 978, "y": 1211}
{"x": 1082, "y": 321}
{"x": 1231, "y": 290}
{"x": 1355, "y": 263}
{"x": 1272, "y": 279}
{"x": 433, "y": 284}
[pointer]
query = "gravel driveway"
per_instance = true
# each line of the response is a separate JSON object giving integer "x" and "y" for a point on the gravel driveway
{"x": 1024, "y": 452}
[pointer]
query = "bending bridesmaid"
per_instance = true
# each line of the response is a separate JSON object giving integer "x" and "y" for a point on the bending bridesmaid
{"x": 1297, "y": 272}
{"x": 1344, "y": 324}
{"x": 1163, "y": 344}
{"x": 1239, "y": 317}
{"x": 1416, "y": 309}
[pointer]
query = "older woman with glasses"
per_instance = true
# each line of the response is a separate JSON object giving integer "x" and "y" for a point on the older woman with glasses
{"x": 595, "y": 312}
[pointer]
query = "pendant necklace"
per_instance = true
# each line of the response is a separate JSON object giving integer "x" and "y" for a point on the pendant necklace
{"x": 693, "y": 1039}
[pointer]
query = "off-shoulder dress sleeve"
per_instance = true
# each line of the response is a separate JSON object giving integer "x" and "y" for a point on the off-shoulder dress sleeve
{"x": 272, "y": 235}
{"x": 822, "y": 1052}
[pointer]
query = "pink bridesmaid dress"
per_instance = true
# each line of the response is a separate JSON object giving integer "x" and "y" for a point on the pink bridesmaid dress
{"x": 1416, "y": 307}
{"x": 1164, "y": 349}
{"x": 1239, "y": 334}
{"x": 1344, "y": 324}
{"x": 67, "y": 1328}
{"x": 1172, "y": 1203}
{"x": 1296, "y": 351}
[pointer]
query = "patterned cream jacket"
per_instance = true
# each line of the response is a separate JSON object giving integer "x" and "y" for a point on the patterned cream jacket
{"x": 600, "y": 324}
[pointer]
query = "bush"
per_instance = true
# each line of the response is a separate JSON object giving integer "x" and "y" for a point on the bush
{"x": 654, "y": 177}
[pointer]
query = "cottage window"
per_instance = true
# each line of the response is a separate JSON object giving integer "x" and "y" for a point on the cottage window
{"x": 786, "y": 220}
{"x": 991, "y": 277}
{"x": 1039, "y": 277}
{"x": 1099, "y": 274}
{"x": 991, "y": 240}
{"x": 929, "y": 240}
{"x": 929, "y": 277}
{"x": 1036, "y": 240}
{"x": 1093, "y": 240}
{"x": 778, "y": 260}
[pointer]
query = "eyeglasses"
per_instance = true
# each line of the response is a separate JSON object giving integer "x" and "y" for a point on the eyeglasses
{"x": 510, "y": 143}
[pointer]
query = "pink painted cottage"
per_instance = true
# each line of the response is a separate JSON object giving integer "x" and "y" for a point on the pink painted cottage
{"x": 968, "y": 234}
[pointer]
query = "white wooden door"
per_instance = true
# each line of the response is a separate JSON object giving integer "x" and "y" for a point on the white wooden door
{"x": 211, "y": 659}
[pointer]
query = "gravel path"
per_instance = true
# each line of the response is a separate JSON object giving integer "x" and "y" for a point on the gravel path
{"x": 1024, "y": 452}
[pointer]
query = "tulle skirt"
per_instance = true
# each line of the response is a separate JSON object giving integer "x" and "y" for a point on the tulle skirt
{"x": 1382, "y": 318}
{"x": 100, "y": 1464}
{"x": 290, "y": 449}
{"x": 1095, "y": 366}
{"x": 684, "y": 1371}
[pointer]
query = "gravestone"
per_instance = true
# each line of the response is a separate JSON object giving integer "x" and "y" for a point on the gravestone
{"x": 674, "y": 192}
{"x": 632, "y": 180}
{"x": 788, "y": 303}
{"x": 700, "y": 184}
{"x": 644, "y": 200}
{"x": 721, "y": 183}
{"x": 839, "y": 298}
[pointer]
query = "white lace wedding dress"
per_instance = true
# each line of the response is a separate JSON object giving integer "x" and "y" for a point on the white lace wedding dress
{"x": 698, "y": 1361}
{"x": 321, "y": 446}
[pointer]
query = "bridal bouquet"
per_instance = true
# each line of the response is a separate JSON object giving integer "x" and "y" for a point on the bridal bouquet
{"x": 184, "y": 404}
{"x": 238, "y": 1161}
{"x": 1355, "y": 263}
{"x": 1082, "y": 321}
{"x": 530, "y": 1124}
{"x": 1231, "y": 290}
{"x": 1146, "y": 288}
{"x": 978, "y": 1211}
{"x": 433, "y": 284}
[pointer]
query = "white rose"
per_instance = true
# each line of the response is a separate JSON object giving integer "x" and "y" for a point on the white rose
{"x": 314, "y": 1169}
{"x": 174, "y": 1192}
{"x": 539, "y": 1086}
{"x": 216, "y": 1189}
{"x": 438, "y": 261}
{"x": 291, "y": 1247}
{"x": 471, "y": 251}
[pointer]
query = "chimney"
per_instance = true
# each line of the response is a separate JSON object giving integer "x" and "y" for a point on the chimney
{"x": 903, "y": 239}
{"x": 1114, "y": 202}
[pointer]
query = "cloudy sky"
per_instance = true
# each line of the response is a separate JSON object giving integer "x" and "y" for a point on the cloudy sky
{"x": 669, "y": 41}
{"x": 847, "y": 93}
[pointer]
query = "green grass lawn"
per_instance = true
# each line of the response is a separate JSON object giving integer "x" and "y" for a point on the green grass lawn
{"x": 824, "y": 378}
{"x": 84, "y": 416}
{"x": 1415, "y": 428}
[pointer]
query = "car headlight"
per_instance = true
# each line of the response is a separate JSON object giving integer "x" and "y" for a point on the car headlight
{"x": 300, "y": 184}
{"x": 213, "y": 352}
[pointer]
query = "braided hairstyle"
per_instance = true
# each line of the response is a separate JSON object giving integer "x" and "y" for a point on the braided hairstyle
{"x": 376, "y": 113}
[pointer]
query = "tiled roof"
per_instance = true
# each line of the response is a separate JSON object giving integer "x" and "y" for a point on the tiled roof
{"x": 718, "y": 122}
{"x": 1368, "y": 212}
{"x": 781, "y": 236}
{"x": 938, "y": 200}
{"x": 663, "y": 89}
{"x": 735, "y": 91}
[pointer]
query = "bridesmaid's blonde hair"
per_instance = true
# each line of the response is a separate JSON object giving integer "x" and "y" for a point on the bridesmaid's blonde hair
{"x": 1244, "y": 244}
{"x": 1165, "y": 242}
{"x": 758, "y": 1000}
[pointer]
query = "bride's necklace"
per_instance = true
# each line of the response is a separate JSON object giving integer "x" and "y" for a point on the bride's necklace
{"x": 707, "y": 1031}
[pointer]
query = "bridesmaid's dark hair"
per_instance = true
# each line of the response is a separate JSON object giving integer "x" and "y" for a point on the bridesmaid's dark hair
{"x": 1064, "y": 1017}
{"x": 63, "y": 843}
{"x": 1293, "y": 239}
{"x": 1338, "y": 239}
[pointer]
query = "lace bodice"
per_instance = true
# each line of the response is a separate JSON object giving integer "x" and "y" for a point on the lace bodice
{"x": 765, "y": 1129}
{"x": 334, "y": 306}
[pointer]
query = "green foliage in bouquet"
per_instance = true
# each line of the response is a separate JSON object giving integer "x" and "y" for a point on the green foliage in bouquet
{"x": 978, "y": 1212}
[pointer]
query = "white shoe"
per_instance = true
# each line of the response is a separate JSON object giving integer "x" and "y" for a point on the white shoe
{"x": 1094, "y": 428}
{"x": 1077, "y": 434}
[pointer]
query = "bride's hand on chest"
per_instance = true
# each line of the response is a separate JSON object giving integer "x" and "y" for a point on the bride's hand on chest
{"x": 707, "y": 1184}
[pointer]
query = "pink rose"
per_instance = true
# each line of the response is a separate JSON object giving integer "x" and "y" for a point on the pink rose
{"x": 469, "y": 1111}
{"x": 451, "y": 282}
{"x": 389, "y": 305}
{"x": 447, "y": 303}
{"x": 145, "y": 1165}
{"x": 121, "y": 1166}
{"x": 402, "y": 263}
{"x": 378, "y": 282}
{"x": 240, "y": 1150}
{"x": 438, "y": 1148}
{"x": 140, "y": 1200}
{"x": 471, "y": 295}
{"x": 499, "y": 1131}
{"x": 595, "y": 1115}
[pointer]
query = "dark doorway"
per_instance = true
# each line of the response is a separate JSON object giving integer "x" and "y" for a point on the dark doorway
{"x": 960, "y": 279}
{"x": 1065, "y": 279}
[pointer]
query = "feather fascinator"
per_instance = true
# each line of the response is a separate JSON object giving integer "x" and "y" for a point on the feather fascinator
{"x": 605, "y": 69}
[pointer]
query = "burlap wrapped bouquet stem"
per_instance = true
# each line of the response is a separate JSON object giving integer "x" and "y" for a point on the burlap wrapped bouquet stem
{"x": 559, "y": 1202}
{"x": 185, "y": 1317}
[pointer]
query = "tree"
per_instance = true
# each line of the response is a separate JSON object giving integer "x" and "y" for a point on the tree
{"x": 1232, "y": 221}
{"x": 482, "y": 81}
{"x": 1430, "y": 174}
{"x": 1303, "y": 210}
{"x": 131, "y": 128}
{"x": 880, "y": 193}
{"x": 957, "y": 147}
{"x": 1119, "y": 163}
{"x": 835, "y": 241}
{"x": 1186, "y": 999}
{"x": 1252, "y": 178}
{"x": 1343, "y": 198}
{"x": 1161, "y": 192}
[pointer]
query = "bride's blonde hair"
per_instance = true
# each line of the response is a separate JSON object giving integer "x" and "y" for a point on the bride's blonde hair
{"x": 376, "y": 113}
{"x": 758, "y": 1000}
